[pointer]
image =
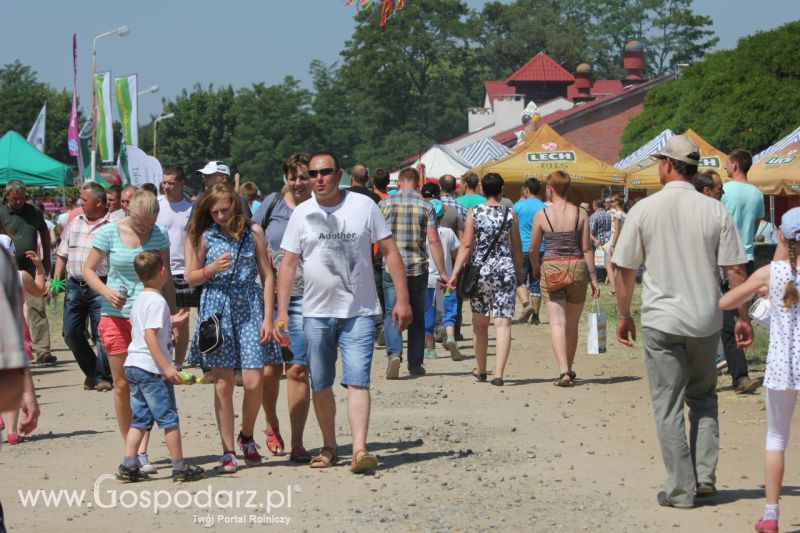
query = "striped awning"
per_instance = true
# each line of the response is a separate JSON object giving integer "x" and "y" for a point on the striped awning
{"x": 653, "y": 145}
{"x": 778, "y": 146}
{"x": 482, "y": 151}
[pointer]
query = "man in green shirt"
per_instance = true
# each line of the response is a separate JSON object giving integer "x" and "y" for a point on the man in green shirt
{"x": 25, "y": 225}
{"x": 472, "y": 196}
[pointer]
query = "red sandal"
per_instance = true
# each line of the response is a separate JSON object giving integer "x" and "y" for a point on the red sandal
{"x": 274, "y": 441}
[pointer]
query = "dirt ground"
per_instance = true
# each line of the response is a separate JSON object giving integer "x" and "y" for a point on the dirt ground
{"x": 455, "y": 455}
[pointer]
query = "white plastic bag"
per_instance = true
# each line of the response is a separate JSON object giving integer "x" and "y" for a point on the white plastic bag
{"x": 596, "y": 330}
{"x": 760, "y": 312}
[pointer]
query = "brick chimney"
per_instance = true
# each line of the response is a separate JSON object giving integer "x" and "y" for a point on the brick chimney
{"x": 584, "y": 80}
{"x": 634, "y": 61}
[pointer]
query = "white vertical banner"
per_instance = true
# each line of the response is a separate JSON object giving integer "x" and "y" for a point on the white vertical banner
{"x": 105, "y": 122}
{"x": 126, "y": 94}
{"x": 36, "y": 135}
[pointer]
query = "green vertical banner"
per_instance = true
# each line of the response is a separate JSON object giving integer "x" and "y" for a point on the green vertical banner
{"x": 105, "y": 126}
{"x": 125, "y": 91}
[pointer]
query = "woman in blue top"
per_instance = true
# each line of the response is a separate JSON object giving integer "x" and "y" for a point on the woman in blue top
{"x": 119, "y": 243}
{"x": 227, "y": 254}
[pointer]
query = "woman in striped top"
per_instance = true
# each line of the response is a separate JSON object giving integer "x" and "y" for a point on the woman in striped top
{"x": 121, "y": 242}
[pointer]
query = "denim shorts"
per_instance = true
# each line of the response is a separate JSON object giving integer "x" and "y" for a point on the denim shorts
{"x": 353, "y": 336}
{"x": 534, "y": 284}
{"x": 152, "y": 399}
{"x": 297, "y": 337}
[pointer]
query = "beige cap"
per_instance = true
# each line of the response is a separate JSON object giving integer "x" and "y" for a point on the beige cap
{"x": 584, "y": 205}
{"x": 680, "y": 148}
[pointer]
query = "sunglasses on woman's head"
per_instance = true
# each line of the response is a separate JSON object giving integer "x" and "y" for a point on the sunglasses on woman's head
{"x": 324, "y": 171}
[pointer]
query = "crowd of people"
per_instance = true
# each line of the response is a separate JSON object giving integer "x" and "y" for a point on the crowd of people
{"x": 292, "y": 282}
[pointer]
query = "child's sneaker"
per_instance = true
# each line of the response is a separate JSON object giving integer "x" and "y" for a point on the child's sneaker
{"x": 430, "y": 353}
{"x": 767, "y": 526}
{"x": 145, "y": 465}
{"x": 228, "y": 464}
{"x": 249, "y": 450}
{"x": 189, "y": 473}
{"x": 131, "y": 473}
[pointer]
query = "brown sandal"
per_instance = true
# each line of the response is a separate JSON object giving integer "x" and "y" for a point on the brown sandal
{"x": 324, "y": 461}
{"x": 564, "y": 380}
{"x": 363, "y": 461}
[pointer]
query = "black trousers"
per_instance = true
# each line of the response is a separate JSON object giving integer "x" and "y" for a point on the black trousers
{"x": 737, "y": 361}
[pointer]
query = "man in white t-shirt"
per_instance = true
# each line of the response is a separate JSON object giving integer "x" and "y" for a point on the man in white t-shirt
{"x": 334, "y": 231}
{"x": 173, "y": 215}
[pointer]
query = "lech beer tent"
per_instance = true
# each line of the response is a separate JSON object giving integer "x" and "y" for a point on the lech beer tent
{"x": 778, "y": 173}
{"x": 20, "y": 160}
{"x": 644, "y": 175}
{"x": 652, "y": 146}
{"x": 544, "y": 151}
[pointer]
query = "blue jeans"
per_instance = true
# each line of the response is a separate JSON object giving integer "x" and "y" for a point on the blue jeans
{"x": 152, "y": 399}
{"x": 534, "y": 284}
{"x": 353, "y": 336}
{"x": 80, "y": 303}
{"x": 297, "y": 337}
{"x": 417, "y": 285}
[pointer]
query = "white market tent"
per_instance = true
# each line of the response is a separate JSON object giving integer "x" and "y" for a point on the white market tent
{"x": 438, "y": 161}
{"x": 482, "y": 151}
{"x": 652, "y": 146}
{"x": 780, "y": 145}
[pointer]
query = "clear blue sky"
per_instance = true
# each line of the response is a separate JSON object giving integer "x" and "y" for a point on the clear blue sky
{"x": 175, "y": 43}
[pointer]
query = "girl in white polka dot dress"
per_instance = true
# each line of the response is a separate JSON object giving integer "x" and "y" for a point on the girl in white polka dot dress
{"x": 782, "y": 378}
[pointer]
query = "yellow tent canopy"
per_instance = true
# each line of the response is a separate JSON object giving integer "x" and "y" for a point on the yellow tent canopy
{"x": 778, "y": 173}
{"x": 543, "y": 151}
{"x": 644, "y": 175}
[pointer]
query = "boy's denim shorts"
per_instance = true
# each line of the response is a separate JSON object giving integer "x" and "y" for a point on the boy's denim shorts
{"x": 152, "y": 399}
{"x": 353, "y": 336}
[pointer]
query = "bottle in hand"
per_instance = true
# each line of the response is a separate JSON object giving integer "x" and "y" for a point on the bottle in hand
{"x": 286, "y": 352}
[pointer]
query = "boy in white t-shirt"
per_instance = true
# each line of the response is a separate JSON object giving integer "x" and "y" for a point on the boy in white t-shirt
{"x": 435, "y": 294}
{"x": 151, "y": 373}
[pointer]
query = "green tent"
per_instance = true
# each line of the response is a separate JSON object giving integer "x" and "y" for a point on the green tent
{"x": 20, "y": 160}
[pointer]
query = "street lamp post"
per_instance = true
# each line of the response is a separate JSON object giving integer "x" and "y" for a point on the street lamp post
{"x": 122, "y": 31}
{"x": 155, "y": 129}
{"x": 151, "y": 89}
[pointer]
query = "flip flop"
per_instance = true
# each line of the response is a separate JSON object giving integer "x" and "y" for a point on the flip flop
{"x": 299, "y": 455}
{"x": 274, "y": 441}
{"x": 324, "y": 461}
{"x": 363, "y": 461}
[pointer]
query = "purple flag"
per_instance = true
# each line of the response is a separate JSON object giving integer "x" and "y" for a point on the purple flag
{"x": 73, "y": 142}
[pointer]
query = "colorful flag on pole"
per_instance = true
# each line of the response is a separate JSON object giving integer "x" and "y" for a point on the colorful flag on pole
{"x": 72, "y": 130}
{"x": 125, "y": 90}
{"x": 36, "y": 135}
{"x": 136, "y": 168}
{"x": 105, "y": 126}
{"x": 85, "y": 152}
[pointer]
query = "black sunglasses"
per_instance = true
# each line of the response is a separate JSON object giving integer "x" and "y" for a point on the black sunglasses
{"x": 324, "y": 171}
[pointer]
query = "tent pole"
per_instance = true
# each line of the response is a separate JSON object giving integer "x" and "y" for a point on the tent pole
{"x": 772, "y": 210}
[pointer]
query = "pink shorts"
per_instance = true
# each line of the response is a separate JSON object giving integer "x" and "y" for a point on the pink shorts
{"x": 115, "y": 334}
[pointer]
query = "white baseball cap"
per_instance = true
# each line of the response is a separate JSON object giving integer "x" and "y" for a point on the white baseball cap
{"x": 215, "y": 167}
{"x": 680, "y": 148}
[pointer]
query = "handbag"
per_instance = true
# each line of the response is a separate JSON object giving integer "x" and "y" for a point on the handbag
{"x": 468, "y": 281}
{"x": 209, "y": 333}
{"x": 559, "y": 274}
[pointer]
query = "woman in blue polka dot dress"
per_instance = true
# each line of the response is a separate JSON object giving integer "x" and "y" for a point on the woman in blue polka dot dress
{"x": 222, "y": 243}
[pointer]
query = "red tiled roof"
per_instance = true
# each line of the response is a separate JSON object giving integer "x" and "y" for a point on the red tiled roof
{"x": 600, "y": 88}
{"x": 553, "y": 118}
{"x": 496, "y": 88}
{"x": 541, "y": 67}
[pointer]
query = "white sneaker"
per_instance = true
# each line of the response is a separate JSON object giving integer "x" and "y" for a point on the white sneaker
{"x": 451, "y": 345}
{"x": 145, "y": 465}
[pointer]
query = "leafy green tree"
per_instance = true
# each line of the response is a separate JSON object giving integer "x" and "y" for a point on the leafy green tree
{"x": 406, "y": 82}
{"x": 743, "y": 98}
{"x": 201, "y": 130}
{"x": 271, "y": 122}
{"x": 21, "y": 99}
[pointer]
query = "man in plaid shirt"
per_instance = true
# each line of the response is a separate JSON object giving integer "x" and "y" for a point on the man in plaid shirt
{"x": 600, "y": 229}
{"x": 410, "y": 219}
{"x": 80, "y": 301}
